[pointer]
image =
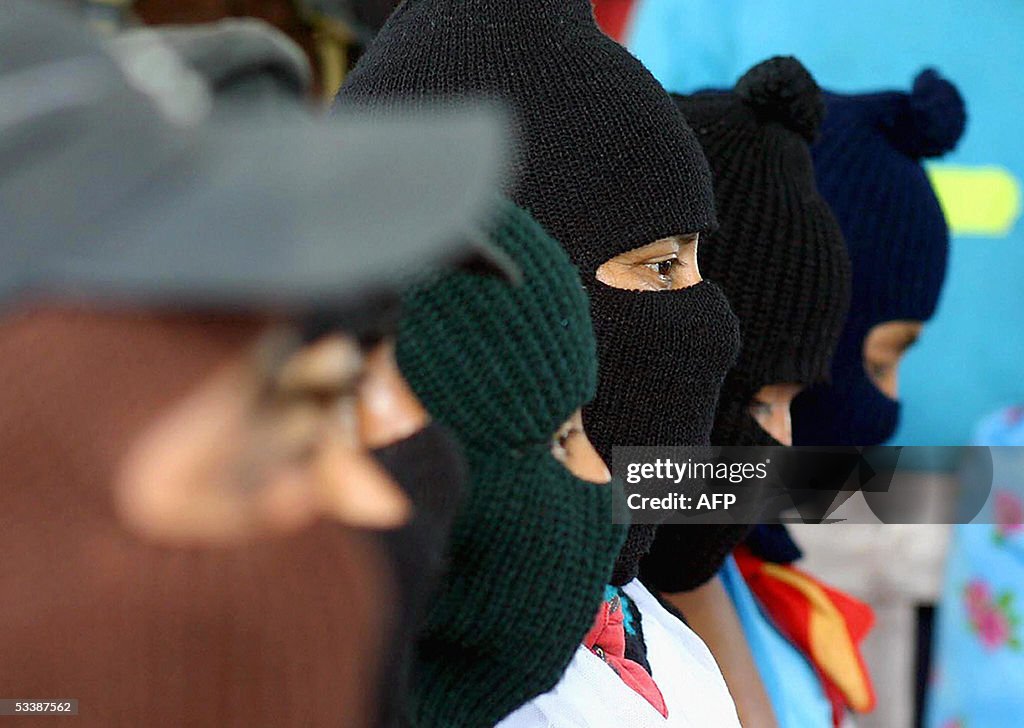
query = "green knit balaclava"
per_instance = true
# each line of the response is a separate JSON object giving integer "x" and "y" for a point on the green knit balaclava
{"x": 503, "y": 366}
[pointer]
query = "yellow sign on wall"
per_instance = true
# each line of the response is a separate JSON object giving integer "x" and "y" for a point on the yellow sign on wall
{"x": 977, "y": 200}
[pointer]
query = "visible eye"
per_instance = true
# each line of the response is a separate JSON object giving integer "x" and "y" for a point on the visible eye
{"x": 321, "y": 372}
{"x": 664, "y": 268}
{"x": 759, "y": 409}
{"x": 560, "y": 441}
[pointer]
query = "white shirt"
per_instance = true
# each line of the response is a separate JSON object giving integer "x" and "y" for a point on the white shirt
{"x": 591, "y": 695}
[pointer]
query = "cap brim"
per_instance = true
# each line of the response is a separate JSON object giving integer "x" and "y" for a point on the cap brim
{"x": 304, "y": 213}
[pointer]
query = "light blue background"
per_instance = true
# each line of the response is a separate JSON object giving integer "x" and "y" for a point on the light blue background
{"x": 970, "y": 359}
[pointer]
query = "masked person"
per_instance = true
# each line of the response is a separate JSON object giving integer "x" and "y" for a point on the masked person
{"x": 508, "y": 369}
{"x": 214, "y": 509}
{"x": 780, "y": 257}
{"x": 869, "y": 167}
{"x": 610, "y": 169}
{"x": 868, "y": 164}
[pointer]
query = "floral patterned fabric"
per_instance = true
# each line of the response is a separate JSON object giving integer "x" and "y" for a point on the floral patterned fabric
{"x": 978, "y": 671}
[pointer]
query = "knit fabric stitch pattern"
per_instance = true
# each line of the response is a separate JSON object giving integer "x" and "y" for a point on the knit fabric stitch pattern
{"x": 868, "y": 164}
{"x": 779, "y": 254}
{"x": 670, "y": 351}
{"x": 606, "y": 164}
{"x": 780, "y": 258}
{"x": 531, "y": 550}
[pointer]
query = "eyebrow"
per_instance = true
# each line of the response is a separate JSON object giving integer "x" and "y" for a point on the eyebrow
{"x": 665, "y": 246}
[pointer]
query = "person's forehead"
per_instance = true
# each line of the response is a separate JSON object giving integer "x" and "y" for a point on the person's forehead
{"x": 137, "y": 321}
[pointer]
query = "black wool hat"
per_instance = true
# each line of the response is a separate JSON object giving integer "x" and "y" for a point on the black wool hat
{"x": 779, "y": 254}
{"x": 606, "y": 162}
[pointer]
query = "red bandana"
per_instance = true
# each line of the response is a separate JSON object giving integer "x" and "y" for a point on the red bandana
{"x": 607, "y": 640}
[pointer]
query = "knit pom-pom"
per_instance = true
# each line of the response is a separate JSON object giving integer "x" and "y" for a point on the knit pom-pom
{"x": 933, "y": 119}
{"x": 783, "y": 90}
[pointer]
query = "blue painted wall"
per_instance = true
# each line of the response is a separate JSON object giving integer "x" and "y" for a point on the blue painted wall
{"x": 970, "y": 359}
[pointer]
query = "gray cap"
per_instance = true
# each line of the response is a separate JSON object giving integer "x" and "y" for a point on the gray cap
{"x": 103, "y": 197}
{"x": 237, "y": 59}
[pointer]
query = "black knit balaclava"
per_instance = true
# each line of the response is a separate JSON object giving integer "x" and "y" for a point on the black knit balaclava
{"x": 868, "y": 164}
{"x": 663, "y": 357}
{"x": 606, "y": 164}
{"x": 780, "y": 258}
{"x": 503, "y": 367}
{"x": 779, "y": 254}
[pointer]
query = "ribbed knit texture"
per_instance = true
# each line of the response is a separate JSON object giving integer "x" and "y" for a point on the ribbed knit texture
{"x": 780, "y": 258}
{"x": 532, "y": 548}
{"x": 779, "y": 254}
{"x": 502, "y": 366}
{"x": 284, "y": 631}
{"x": 666, "y": 354}
{"x": 606, "y": 164}
{"x": 868, "y": 164}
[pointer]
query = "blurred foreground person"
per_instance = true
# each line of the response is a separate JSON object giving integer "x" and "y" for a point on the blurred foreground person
{"x": 247, "y": 65}
{"x": 222, "y": 503}
{"x": 331, "y": 34}
{"x": 508, "y": 370}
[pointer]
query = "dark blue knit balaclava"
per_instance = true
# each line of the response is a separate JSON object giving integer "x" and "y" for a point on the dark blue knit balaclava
{"x": 868, "y": 164}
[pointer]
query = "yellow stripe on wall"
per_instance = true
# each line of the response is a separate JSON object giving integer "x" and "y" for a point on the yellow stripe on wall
{"x": 977, "y": 200}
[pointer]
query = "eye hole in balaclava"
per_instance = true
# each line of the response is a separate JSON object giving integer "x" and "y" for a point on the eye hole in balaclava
{"x": 780, "y": 258}
{"x": 664, "y": 265}
{"x": 868, "y": 164}
{"x": 503, "y": 367}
